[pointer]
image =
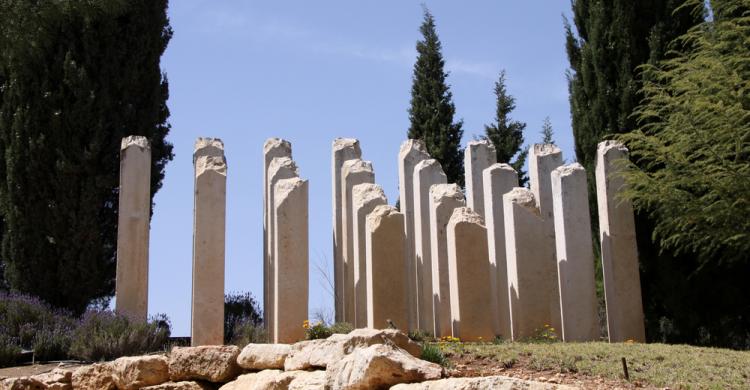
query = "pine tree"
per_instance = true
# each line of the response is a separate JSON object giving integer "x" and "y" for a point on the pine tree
{"x": 547, "y": 132}
{"x": 431, "y": 112}
{"x": 91, "y": 77}
{"x": 506, "y": 134}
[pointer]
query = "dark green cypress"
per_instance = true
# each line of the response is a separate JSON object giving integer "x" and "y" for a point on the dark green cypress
{"x": 75, "y": 77}
{"x": 505, "y": 133}
{"x": 431, "y": 112}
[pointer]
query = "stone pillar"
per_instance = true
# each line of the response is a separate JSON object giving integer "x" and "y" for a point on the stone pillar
{"x": 412, "y": 151}
{"x": 272, "y": 148}
{"x": 543, "y": 159}
{"x": 444, "y": 198}
{"x": 207, "y": 327}
{"x": 575, "y": 256}
{"x": 469, "y": 277}
{"x": 290, "y": 273}
{"x": 133, "y": 217}
{"x": 478, "y": 156}
{"x": 365, "y": 198}
{"x": 344, "y": 149}
{"x": 498, "y": 180}
{"x": 622, "y": 283}
{"x": 353, "y": 172}
{"x": 386, "y": 282}
{"x": 532, "y": 272}
{"x": 280, "y": 168}
{"x": 426, "y": 173}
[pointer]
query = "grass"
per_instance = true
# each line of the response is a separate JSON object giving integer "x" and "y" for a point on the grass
{"x": 676, "y": 366}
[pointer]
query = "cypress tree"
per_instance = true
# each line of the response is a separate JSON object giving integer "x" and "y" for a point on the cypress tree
{"x": 431, "y": 112}
{"x": 90, "y": 77}
{"x": 547, "y": 132}
{"x": 506, "y": 134}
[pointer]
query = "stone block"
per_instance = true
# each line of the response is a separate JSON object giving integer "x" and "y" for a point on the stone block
{"x": 366, "y": 197}
{"x": 478, "y": 156}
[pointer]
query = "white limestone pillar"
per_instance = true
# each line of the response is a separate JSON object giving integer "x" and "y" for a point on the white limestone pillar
{"x": 207, "y": 326}
{"x": 478, "y": 156}
{"x": 444, "y": 198}
{"x": 412, "y": 151}
{"x": 386, "y": 282}
{"x": 469, "y": 277}
{"x": 290, "y": 273}
{"x": 575, "y": 256}
{"x": 498, "y": 180}
{"x": 366, "y": 197}
{"x": 344, "y": 149}
{"x": 133, "y": 217}
{"x": 353, "y": 172}
{"x": 622, "y": 283}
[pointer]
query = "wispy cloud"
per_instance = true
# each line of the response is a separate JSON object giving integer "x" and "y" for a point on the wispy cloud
{"x": 480, "y": 69}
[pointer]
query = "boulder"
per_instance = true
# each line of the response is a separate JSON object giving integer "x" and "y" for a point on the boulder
{"x": 134, "y": 372}
{"x": 213, "y": 363}
{"x": 481, "y": 383}
{"x": 263, "y": 356}
{"x": 22, "y": 383}
{"x": 379, "y": 366}
{"x": 184, "y": 385}
{"x": 57, "y": 379}
{"x": 93, "y": 377}
{"x": 307, "y": 380}
{"x": 278, "y": 380}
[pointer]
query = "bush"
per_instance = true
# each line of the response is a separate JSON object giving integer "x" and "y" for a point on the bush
{"x": 243, "y": 321}
{"x": 104, "y": 335}
{"x": 321, "y": 330}
{"x": 245, "y": 333}
{"x": 9, "y": 349}
{"x": 432, "y": 353}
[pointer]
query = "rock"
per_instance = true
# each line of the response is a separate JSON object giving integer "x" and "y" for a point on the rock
{"x": 481, "y": 383}
{"x": 134, "y": 372}
{"x": 57, "y": 379}
{"x": 307, "y": 380}
{"x": 379, "y": 366}
{"x": 184, "y": 385}
{"x": 263, "y": 356}
{"x": 210, "y": 363}
{"x": 22, "y": 383}
{"x": 278, "y": 380}
{"x": 93, "y": 377}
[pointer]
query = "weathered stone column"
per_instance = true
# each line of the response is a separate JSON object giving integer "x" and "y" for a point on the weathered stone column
{"x": 469, "y": 276}
{"x": 208, "y": 242}
{"x": 272, "y": 148}
{"x": 444, "y": 198}
{"x": 498, "y": 179}
{"x": 543, "y": 159}
{"x": 366, "y": 197}
{"x": 478, "y": 156}
{"x": 344, "y": 149}
{"x": 133, "y": 217}
{"x": 426, "y": 173}
{"x": 290, "y": 274}
{"x": 622, "y": 282}
{"x": 386, "y": 282}
{"x": 412, "y": 151}
{"x": 532, "y": 272}
{"x": 353, "y": 172}
{"x": 280, "y": 168}
{"x": 575, "y": 256}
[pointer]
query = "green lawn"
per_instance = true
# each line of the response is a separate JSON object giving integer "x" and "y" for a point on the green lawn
{"x": 675, "y": 366}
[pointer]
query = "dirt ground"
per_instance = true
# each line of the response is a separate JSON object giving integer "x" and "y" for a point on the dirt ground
{"x": 34, "y": 369}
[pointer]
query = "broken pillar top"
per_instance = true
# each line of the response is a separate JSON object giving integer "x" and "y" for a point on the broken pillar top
{"x": 367, "y": 192}
{"x": 210, "y": 164}
{"x": 279, "y": 164}
{"x": 413, "y": 147}
{"x": 380, "y": 214}
{"x": 135, "y": 140}
{"x": 605, "y": 147}
{"x": 277, "y": 143}
{"x": 284, "y": 187}
{"x": 522, "y": 197}
{"x": 480, "y": 143}
{"x": 208, "y": 147}
{"x": 356, "y": 165}
{"x": 438, "y": 192}
{"x": 346, "y": 143}
{"x": 545, "y": 149}
{"x": 429, "y": 163}
{"x": 465, "y": 215}
{"x": 501, "y": 167}
{"x": 568, "y": 170}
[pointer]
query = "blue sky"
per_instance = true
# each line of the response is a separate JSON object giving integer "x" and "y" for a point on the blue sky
{"x": 309, "y": 72}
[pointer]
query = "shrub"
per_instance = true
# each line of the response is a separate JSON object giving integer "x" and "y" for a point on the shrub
{"x": 432, "y": 353}
{"x": 104, "y": 335}
{"x": 245, "y": 333}
{"x": 321, "y": 330}
{"x": 242, "y": 319}
{"x": 341, "y": 328}
{"x": 420, "y": 335}
{"x": 9, "y": 349}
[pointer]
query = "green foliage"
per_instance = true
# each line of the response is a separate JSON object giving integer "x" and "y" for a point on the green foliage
{"x": 506, "y": 134}
{"x": 431, "y": 111}
{"x": 545, "y": 334}
{"x": 9, "y": 350}
{"x": 547, "y": 132}
{"x": 75, "y": 77}
{"x": 321, "y": 330}
{"x": 243, "y": 321}
{"x": 420, "y": 335}
{"x": 433, "y": 353}
{"x": 341, "y": 328}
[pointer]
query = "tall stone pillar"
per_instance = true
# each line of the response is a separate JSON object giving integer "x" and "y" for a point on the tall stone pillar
{"x": 344, "y": 149}
{"x": 207, "y": 327}
{"x": 444, "y": 198}
{"x": 426, "y": 173}
{"x": 575, "y": 256}
{"x": 386, "y": 283}
{"x": 478, "y": 156}
{"x": 498, "y": 179}
{"x": 353, "y": 172}
{"x": 366, "y": 197}
{"x": 412, "y": 151}
{"x": 469, "y": 276}
{"x": 532, "y": 272}
{"x": 543, "y": 159}
{"x": 272, "y": 148}
{"x": 133, "y": 217}
{"x": 280, "y": 168}
{"x": 622, "y": 282}
{"x": 290, "y": 273}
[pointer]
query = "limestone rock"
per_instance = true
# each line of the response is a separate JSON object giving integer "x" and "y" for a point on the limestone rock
{"x": 481, "y": 383}
{"x": 307, "y": 380}
{"x": 263, "y": 356}
{"x": 57, "y": 379}
{"x": 93, "y": 377}
{"x": 378, "y": 366}
{"x": 267, "y": 379}
{"x": 134, "y": 372}
{"x": 184, "y": 385}
{"x": 210, "y": 363}
{"x": 22, "y": 383}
